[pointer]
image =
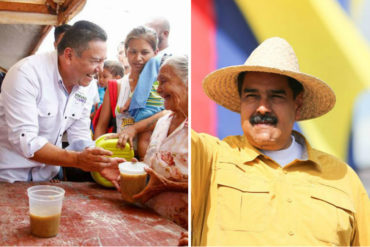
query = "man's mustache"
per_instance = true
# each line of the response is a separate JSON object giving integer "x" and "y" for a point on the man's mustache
{"x": 267, "y": 118}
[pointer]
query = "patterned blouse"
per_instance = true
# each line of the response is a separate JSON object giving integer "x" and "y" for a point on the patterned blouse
{"x": 168, "y": 155}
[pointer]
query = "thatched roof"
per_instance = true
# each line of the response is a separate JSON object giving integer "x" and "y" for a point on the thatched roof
{"x": 25, "y": 23}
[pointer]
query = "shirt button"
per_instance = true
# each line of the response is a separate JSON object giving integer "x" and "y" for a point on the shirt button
{"x": 22, "y": 134}
{"x": 48, "y": 113}
{"x": 291, "y": 233}
{"x": 65, "y": 117}
{"x": 60, "y": 135}
{"x": 289, "y": 200}
{"x": 285, "y": 172}
{"x": 73, "y": 115}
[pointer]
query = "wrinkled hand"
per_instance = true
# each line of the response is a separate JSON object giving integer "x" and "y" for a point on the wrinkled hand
{"x": 156, "y": 185}
{"x": 95, "y": 159}
{"x": 183, "y": 241}
{"x": 126, "y": 135}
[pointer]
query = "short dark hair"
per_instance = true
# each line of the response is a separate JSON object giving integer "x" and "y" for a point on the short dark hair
{"x": 79, "y": 36}
{"x": 295, "y": 85}
{"x": 60, "y": 30}
{"x": 114, "y": 67}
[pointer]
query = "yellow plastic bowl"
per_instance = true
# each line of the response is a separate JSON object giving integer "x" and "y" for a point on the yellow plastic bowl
{"x": 111, "y": 145}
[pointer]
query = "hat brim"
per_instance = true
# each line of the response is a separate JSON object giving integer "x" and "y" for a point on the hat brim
{"x": 221, "y": 86}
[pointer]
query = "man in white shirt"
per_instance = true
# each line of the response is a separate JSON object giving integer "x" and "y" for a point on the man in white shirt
{"x": 44, "y": 95}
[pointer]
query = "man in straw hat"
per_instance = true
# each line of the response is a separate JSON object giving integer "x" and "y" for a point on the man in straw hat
{"x": 269, "y": 186}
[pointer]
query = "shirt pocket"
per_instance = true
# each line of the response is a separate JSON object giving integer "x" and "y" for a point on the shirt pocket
{"x": 243, "y": 201}
{"x": 46, "y": 116}
{"x": 74, "y": 113}
{"x": 333, "y": 209}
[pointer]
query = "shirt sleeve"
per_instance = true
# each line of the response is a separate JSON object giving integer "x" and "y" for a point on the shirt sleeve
{"x": 362, "y": 234}
{"x": 96, "y": 99}
{"x": 79, "y": 133}
{"x": 201, "y": 163}
{"x": 19, "y": 98}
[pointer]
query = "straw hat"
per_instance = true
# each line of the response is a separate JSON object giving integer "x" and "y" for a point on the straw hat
{"x": 274, "y": 55}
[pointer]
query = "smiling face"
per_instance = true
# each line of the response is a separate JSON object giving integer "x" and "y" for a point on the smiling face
{"x": 268, "y": 110}
{"x": 172, "y": 89}
{"x": 89, "y": 64}
{"x": 139, "y": 51}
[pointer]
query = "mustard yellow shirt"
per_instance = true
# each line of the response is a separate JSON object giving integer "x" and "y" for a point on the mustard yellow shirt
{"x": 242, "y": 197}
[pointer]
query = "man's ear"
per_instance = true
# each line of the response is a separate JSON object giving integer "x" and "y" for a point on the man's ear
{"x": 68, "y": 54}
{"x": 298, "y": 105}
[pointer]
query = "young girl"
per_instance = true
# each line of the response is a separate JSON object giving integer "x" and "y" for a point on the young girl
{"x": 141, "y": 45}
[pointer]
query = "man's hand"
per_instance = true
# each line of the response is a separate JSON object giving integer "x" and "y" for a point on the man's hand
{"x": 95, "y": 159}
{"x": 126, "y": 135}
{"x": 113, "y": 175}
{"x": 156, "y": 185}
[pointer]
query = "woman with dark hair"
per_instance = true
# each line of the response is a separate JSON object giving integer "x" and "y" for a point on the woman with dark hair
{"x": 141, "y": 45}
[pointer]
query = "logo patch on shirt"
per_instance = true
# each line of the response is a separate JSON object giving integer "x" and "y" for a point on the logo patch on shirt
{"x": 80, "y": 98}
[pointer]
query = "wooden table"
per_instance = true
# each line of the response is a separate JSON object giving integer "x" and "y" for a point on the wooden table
{"x": 91, "y": 215}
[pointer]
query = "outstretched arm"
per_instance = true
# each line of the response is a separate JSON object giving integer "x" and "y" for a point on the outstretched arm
{"x": 128, "y": 133}
{"x": 90, "y": 159}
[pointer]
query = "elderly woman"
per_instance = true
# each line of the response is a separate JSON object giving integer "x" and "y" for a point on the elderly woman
{"x": 167, "y": 153}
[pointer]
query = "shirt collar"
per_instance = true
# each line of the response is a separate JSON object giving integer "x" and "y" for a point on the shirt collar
{"x": 251, "y": 153}
{"x": 60, "y": 79}
{"x": 309, "y": 153}
{"x": 183, "y": 125}
{"x": 55, "y": 58}
{"x": 240, "y": 142}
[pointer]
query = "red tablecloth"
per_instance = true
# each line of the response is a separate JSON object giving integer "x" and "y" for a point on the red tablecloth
{"x": 91, "y": 215}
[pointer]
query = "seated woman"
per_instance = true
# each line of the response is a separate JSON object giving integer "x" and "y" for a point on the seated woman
{"x": 167, "y": 153}
{"x": 141, "y": 46}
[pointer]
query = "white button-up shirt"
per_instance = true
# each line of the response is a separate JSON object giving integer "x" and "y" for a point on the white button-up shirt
{"x": 35, "y": 108}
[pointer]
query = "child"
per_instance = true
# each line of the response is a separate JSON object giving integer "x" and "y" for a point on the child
{"x": 112, "y": 70}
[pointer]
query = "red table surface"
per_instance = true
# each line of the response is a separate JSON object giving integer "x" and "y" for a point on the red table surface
{"x": 91, "y": 215}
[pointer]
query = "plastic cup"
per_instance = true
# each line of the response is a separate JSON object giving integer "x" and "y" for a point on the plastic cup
{"x": 133, "y": 179}
{"x": 45, "y": 203}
